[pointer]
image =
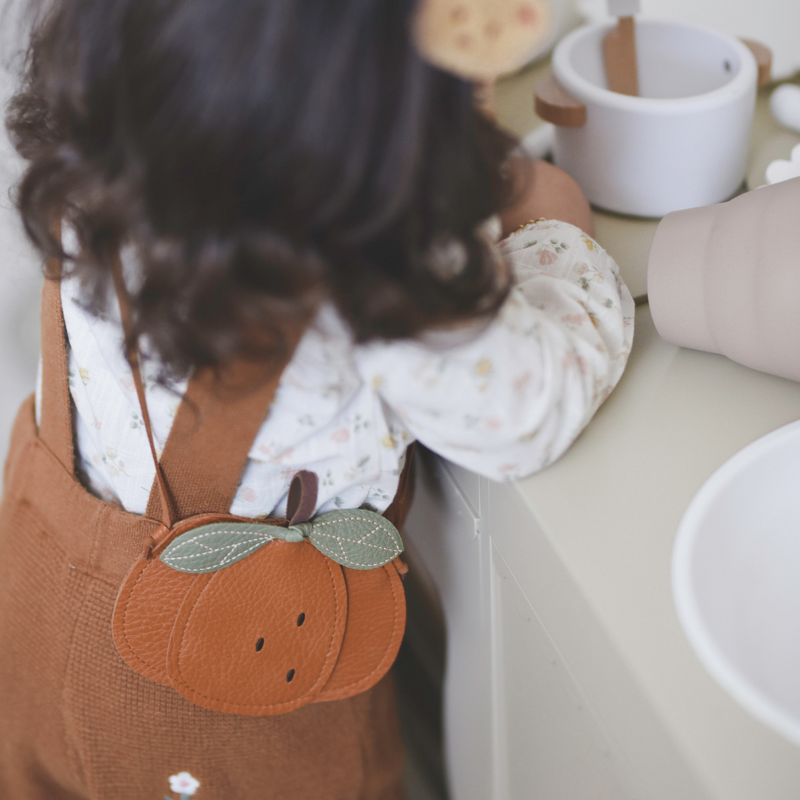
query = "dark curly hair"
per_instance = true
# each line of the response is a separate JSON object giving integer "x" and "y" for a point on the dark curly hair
{"x": 259, "y": 157}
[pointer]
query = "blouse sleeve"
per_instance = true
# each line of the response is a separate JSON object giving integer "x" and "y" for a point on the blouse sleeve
{"x": 511, "y": 399}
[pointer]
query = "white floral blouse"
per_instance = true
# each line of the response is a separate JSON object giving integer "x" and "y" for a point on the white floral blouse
{"x": 504, "y": 400}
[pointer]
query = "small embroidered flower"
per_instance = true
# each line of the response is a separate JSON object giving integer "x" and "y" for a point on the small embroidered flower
{"x": 547, "y": 257}
{"x": 484, "y": 366}
{"x": 184, "y": 784}
{"x": 358, "y": 422}
{"x": 559, "y": 246}
{"x": 84, "y": 373}
{"x": 248, "y": 494}
{"x": 522, "y": 381}
{"x": 389, "y": 441}
{"x": 340, "y": 435}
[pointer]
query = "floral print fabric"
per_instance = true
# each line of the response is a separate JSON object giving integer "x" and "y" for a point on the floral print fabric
{"x": 503, "y": 399}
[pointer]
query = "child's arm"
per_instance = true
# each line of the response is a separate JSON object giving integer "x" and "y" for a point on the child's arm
{"x": 511, "y": 400}
{"x": 542, "y": 191}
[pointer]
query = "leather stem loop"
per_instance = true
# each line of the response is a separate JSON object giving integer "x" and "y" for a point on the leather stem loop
{"x": 302, "y": 500}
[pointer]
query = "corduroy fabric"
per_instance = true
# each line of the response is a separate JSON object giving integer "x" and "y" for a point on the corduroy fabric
{"x": 75, "y": 721}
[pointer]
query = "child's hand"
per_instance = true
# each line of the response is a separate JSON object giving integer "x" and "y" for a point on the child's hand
{"x": 542, "y": 191}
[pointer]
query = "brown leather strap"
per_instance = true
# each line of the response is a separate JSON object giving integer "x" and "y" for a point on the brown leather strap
{"x": 132, "y": 355}
{"x": 55, "y": 427}
{"x": 220, "y": 415}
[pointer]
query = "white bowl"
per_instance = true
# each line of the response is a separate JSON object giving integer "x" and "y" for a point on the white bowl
{"x": 736, "y": 578}
{"x": 682, "y": 143}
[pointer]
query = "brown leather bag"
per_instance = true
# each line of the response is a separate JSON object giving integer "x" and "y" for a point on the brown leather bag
{"x": 284, "y": 626}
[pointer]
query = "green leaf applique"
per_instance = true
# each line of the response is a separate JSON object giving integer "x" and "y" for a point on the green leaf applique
{"x": 212, "y": 547}
{"x": 354, "y": 538}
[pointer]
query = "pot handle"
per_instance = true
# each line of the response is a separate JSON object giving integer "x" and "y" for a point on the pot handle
{"x": 553, "y": 104}
{"x": 763, "y": 56}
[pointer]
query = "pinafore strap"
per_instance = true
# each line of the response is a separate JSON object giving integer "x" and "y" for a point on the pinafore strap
{"x": 207, "y": 449}
{"x": 217, "y": 421}
{"x": 55, "y": 427}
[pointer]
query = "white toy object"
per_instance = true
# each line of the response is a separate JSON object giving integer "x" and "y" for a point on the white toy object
{"x": 682, "y": 143}
{"x": 785, "y": 105}
{"x": 782, "y": 170}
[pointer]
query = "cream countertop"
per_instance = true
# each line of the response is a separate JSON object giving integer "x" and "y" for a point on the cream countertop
{"x": 676, "y": 416}
{"x": 609, "y": 511}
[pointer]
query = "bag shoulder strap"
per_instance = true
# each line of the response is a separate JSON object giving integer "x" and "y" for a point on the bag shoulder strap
{"x": 207, "y": 449}
{"x": 218, "y": 418}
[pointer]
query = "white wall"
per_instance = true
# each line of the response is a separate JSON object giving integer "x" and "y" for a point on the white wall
{"x": 20, "y": 272}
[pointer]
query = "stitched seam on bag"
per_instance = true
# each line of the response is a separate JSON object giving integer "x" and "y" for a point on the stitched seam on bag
{"x": 210, "y": 550}
{"x": 136, "y": 656}
{"x": 270, "y": 706}
{"x": 365, "y": 679}
{"x": 360, "y": 541}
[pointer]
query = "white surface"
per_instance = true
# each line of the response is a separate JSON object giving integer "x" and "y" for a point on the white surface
{"x": 610, "y": 509}
{"x": 20, "y": 273}
{"x": 682, "y": 143}
{"x": 782, "y": 169}
{"x": 736, "y": 578}
{"x": 442, "y": 532}
{"x": 774, "y": 22}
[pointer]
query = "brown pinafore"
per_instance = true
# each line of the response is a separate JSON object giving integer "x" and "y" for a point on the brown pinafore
{"x": 75, "y": 721}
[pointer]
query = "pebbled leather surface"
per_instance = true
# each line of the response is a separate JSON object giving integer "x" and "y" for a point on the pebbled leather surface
{"x": 144, "y": 616}
{"x": 214, "y": 658}
{"x": 376, "y": 620}
{"x": 200, "y": 633}
{"x": 149, "y": 601}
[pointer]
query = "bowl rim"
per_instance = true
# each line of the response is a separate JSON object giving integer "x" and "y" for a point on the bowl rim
{"x": 587, "y": 92}
{"x": 705, "y": 646}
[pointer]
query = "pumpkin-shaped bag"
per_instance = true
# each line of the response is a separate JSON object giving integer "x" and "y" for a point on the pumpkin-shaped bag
{"x": 244, "y": 616}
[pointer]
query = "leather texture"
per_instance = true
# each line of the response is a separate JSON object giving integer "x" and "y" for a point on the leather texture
{"x": 263, "y": 636}
{"x": 376, "y": 621}
{"x": 283, "y": 627}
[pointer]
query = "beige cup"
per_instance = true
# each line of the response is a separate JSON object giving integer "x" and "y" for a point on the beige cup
{"x": 726, "y": 278}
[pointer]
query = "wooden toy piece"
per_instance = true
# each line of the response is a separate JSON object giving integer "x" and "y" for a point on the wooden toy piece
{"x": 763, "y": 56}
{"x": 481, "y": 39}
{"x": 554, "y": 104}
{"x": 619, "y": 49}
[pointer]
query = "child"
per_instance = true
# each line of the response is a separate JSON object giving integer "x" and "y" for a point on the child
{"x": 272, "y": 171}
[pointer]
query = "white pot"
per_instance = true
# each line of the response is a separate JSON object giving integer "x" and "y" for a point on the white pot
{"x": 682, "y": 143}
